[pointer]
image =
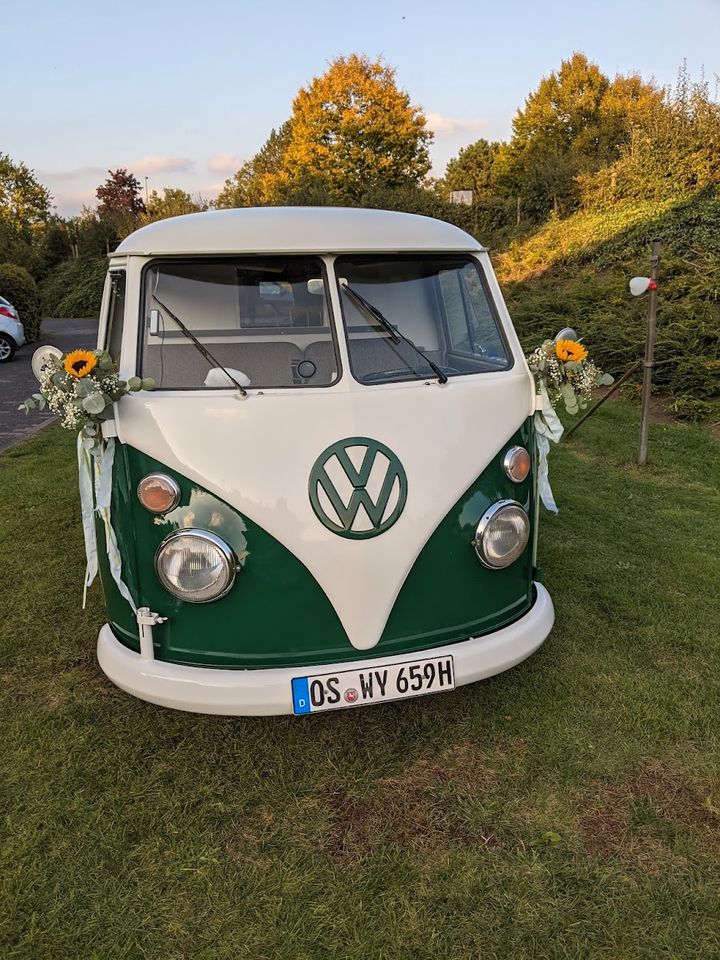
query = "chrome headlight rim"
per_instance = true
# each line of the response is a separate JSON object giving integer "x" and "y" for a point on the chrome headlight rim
{"x": 172, "y": 484}
{"x": 228, "y": 554}
{"x": 484, "y": 523}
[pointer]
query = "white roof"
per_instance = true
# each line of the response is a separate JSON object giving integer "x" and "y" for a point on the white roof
{"x": 296, "y": 230}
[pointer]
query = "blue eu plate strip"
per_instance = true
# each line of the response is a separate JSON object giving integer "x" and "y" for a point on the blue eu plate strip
{"x": 301, "y": 695}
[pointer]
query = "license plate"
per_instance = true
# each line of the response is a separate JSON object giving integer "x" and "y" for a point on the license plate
{"x": 354, "y": 688}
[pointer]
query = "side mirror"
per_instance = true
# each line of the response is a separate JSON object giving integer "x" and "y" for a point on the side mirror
{"x": 41, "y": 357}
{"x": 567, "y": 333}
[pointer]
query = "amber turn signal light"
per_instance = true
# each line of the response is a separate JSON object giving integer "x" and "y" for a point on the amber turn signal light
{"x": 516, "y": 464}
{"x": 158, "y": 492}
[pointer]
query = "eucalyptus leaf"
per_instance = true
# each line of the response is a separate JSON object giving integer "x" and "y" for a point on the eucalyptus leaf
{"x": 88, "y": 442}
{"x": 83, "y": 388}
{"x": 148, "y": 383}
{"x": 134, "y": 384}
{"x": 605, "y": 380}
{"x": 94, "y": 404}
{"x": 568, "y": 394}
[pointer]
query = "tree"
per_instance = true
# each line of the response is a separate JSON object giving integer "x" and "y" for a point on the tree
{"x": 120, "y": 193}
{"x": 575, "y": 122}
{"x": 673, "y": 150}
{"x": 120, "y": 204}
{"x": 23, "y": 201}
{"x": 56, "y": 245}
{"x": 24, "y": 211}
{"x": 350, "y": 129}
{"x": 174, "y": 202}
{"x": 472, "y": 169}
{"x": 252, "y": 185}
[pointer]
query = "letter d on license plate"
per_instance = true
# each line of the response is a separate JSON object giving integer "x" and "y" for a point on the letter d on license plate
{"x": 354, "y": 688}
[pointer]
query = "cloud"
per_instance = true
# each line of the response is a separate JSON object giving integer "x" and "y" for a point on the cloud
{"x": 146, "y": 166}
{"x": 447, "y": 126}
{"x": 63, "y": 176}
{"x": 225, "y": 163}
{"x": 160, "y": 164}
{"x": 70, "y": 202}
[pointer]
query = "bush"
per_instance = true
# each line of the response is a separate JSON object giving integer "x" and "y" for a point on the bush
{"x": 690, "y": 408}
{"x": 74, "y": 288}
{"x": 17, "y": 286}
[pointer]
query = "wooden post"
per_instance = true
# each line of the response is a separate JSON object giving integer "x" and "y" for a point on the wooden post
{"x": 649, "y": 360}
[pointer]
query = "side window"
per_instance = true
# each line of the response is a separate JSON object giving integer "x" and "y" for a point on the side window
{"x": 455, "y": 311}
{"x": 471, "y": 325}
{"x": 116, "y": 315}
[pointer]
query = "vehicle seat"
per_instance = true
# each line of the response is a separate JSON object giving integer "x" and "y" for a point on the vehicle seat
{"x": 322, "y": 354}
{"x": 181, "y": 365}
{"x": 372, "y": 354}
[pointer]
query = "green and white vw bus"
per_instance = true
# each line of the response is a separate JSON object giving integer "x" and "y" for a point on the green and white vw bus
{"x": 329, "y": 498}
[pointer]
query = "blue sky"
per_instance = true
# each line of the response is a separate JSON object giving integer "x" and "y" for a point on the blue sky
{"x": 183, "y": 92}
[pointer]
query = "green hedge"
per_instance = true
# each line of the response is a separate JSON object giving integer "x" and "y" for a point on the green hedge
{"x": 17, "y": 286}
{"x": 74, "y": 288}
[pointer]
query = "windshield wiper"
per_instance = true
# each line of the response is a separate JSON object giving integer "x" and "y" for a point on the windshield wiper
{"x": 200, "y": 346}
{"x": 396, "y": 336}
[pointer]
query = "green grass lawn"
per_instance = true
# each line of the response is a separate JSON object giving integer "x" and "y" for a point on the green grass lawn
{"x": 568, "y": 808}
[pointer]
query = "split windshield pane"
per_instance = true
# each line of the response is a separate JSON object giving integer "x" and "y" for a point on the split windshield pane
{"x": 266, "y": 318}
{"x": 439, "y": 302}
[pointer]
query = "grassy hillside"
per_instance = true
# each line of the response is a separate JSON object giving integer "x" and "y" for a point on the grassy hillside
{"x": 575, "y": 272}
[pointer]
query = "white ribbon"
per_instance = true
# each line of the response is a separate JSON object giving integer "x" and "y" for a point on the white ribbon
{"x": 547, "y": 428}
{"x": 99, "y": 501}
{"x": 87, "y": 508}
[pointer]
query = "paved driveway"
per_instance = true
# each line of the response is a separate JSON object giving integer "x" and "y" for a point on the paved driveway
{"x": 17, "y": 381}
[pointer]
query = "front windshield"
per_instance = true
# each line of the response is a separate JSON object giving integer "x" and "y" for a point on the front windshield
{"x": 265, "y": 320}
{"x": 439, "y": 302}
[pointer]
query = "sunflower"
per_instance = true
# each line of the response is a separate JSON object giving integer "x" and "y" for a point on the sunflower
{"x": 569, "y": 350}
{"x": 79, "y": 363}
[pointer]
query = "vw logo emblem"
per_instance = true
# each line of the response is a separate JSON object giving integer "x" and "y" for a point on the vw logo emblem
{"x": 358, "y": 488}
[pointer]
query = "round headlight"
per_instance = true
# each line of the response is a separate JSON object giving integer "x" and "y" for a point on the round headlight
{"x": 516, "y": 464}
{"x": 158, "y": 492}
{"x": 195, "y": 565}
{"x": 502, "y": 534}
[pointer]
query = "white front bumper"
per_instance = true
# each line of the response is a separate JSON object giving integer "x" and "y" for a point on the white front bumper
{"x": 265, "y": 692}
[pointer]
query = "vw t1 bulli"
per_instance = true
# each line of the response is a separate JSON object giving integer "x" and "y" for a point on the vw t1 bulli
{"x": 329, "y": 500}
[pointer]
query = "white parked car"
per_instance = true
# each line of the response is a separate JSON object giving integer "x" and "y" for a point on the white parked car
{"x": 12, "y": 333}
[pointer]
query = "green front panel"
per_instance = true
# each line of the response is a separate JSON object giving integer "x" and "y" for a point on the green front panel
{"x": 276, "y": 613}
{"x": 449, "y": 595}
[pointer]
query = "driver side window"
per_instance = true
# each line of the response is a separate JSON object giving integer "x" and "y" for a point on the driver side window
{"x": 116, "y": 315}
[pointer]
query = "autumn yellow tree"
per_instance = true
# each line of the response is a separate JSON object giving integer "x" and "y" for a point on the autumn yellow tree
{"x": 574, "y": 123}
{"x": 352, "y": 128}
{"x": 255, "y": 183}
